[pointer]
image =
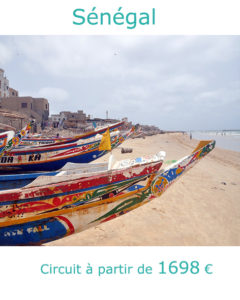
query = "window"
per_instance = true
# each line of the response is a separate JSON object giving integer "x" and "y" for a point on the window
{"x": 24, "y": 105}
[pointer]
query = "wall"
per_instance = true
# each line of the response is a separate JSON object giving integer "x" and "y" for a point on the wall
{"x": 34, "y": 108}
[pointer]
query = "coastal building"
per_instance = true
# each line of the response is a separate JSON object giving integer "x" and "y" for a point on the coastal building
{"x": 10, "y": 120}
{"x": 5, "y": 89}
{"x": 102, "y": 122}
{"x": 78, "y": 120}
{"x": 4, "y": 85}
{"x": 33, "y": 108}
{"x": 27, "y": 107}
{"x": 13, "y": 92}
{"x": 74, "y": 117}
{"x": 57, "y": 120}
{"x": 68, "y": 119}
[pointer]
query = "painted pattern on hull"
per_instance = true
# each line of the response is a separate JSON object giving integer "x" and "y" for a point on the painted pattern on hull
{"x": 50, "y": 158}
{"x": 16, "y": 140}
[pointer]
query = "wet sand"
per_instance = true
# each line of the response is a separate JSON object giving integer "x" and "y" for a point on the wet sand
{"x": 201, "y": 209}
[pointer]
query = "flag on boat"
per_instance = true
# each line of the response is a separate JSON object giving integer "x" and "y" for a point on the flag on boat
{"x": 105, "y": 143}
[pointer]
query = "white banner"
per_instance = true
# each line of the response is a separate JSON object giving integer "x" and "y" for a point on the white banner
{"x": 170, "y": 17}
{"x": 120, "y": 272}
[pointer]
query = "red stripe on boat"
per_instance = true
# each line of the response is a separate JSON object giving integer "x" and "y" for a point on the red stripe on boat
{"x": 70, "y": 225}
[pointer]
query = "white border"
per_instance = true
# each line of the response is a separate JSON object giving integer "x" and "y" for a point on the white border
{"x": 20, "y": 267}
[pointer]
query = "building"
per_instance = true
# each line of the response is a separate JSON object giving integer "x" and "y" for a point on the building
{"x": 13, "y": 92}
{"x": 4, "y": 85}
{"x": 78, "y": 116}
{"x": 69, "y": 119}
{"x": 29, "y": 107}
{"x": 5, "y": 90}
{"x": 33, "y": 108}
{"x": 10, "y": 120}
{"x": 102, "y": 122}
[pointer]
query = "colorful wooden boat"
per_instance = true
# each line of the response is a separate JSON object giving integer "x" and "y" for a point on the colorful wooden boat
{"x": 54, "y": 157}
{"x": 41, "y": 213}
{"x": 33, "y": 141}
{"x": 13, "y": 181}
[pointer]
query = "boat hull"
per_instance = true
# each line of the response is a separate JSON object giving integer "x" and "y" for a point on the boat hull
{"x": 37, "y": 215}
{"x": 51, "y": 158}
{"x": 8, "y": 182}
{"x": 47, "y": 141}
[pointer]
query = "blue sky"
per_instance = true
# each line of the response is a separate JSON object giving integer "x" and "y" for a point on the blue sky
{"x": 174, "y": 82}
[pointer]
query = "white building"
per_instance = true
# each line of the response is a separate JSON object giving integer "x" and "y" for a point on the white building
{"x": 4, "y": 85}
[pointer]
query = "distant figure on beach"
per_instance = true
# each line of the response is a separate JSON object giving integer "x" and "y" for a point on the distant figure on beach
{"x": 190, "y": 135}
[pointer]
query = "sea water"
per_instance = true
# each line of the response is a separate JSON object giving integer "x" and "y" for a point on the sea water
{"x": 226, "y": 139}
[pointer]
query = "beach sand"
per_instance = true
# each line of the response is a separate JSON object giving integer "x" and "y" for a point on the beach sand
{"x": 201, "y": 209}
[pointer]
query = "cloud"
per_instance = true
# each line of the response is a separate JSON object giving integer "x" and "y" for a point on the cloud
{"x": 5, "y": 54}
{"x": 54, "y": 94}
{"x": 174, "y": 82}
{"x": 57, "y": 97}
{"x": 69, "y": 56}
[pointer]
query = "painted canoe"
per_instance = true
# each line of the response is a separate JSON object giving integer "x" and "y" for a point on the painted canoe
{"x": 14, "y": 181}
{"x": 42, "y": 213}
{"x": 46, "y": 141}
{"x": 54, "y": 157}
{"x": 40, "y": 199}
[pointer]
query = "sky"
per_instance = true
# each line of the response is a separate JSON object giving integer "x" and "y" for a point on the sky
{"x": 173, "y": 82}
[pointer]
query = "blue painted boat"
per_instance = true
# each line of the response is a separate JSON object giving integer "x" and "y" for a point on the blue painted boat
{"x": 54, "y": 157}
{"x": 14, "y": 181}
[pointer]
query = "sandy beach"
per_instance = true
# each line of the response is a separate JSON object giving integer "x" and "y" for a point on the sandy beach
{"x": 201, "y": 209}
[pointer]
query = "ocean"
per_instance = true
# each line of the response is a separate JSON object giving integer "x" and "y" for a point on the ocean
{"x": 226, "y": 139}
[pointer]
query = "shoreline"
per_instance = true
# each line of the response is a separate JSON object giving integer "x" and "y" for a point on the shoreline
{"x": 200, "y": 209}
{"x": 227, "y": 142}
